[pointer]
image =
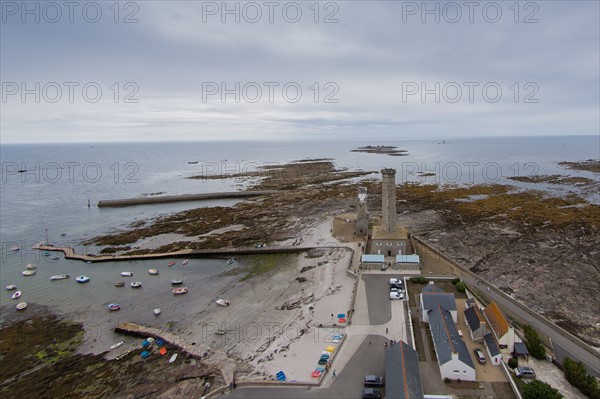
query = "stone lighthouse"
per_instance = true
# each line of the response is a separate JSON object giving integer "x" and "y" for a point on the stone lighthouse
{"x": 388, "y": 200}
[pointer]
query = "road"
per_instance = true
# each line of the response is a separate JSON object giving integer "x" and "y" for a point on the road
{"x": 368, "y": 359}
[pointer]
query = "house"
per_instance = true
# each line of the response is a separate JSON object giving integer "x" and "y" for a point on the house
{"x": 432, "y": 296}
{"x": 503, "y": 332}
{"x": 492, "y": 349}
{"x": 475, "y": 321}
{"x": 402, "y": 373}
{"x": 452, "y": 353}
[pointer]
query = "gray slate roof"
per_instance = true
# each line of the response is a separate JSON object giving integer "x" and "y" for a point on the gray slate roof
{"x": 472, "y": 319}
{"x": 446, "y": 339}
{"x": 401, "y": 362}
{"x": 432, "y": 288}
{"x": 491, "y": 344}
{"x": 432, "y": 299}
{"x": 521, "y": 348}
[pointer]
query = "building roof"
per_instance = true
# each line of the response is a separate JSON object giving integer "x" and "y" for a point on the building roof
{"x": 432, "y": 288}
{"x": 521, "y": 348}
{"x": 372, "y": 258}
{"x": 408, "y": 259}
{"x": 474, "y": 318}
{"x": 446, "y": 339}
{"x": 491, "y": 344}
{"x": 431, "y": 300}
{"x": 497, "y": 321}
{"x": 402, "y": 374}
{"x": 470, "y": 301}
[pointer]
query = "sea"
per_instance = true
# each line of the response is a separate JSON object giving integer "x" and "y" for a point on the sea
{"x": 56, "y": 198}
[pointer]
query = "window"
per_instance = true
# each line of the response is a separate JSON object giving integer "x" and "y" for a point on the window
{"x": 456, "y": 372}
{"x": 389, "y": 244}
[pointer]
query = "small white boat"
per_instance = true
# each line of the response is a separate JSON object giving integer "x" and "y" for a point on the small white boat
{"x": 60, "y": 277}
{"x": 21, "y": 306}
{"x": 230, "y": 261}
{"x": 185, "y": 262}
{"x": 113, "y": 307}
{"x": 153, "y": 272}
{"x": 82, "y": 279}
{"x": 176, "y": 282}
{"x": 222, "y": 302}
{"x": 127, "y": 274}
{"x": 31, "y": 266}
{"x": 136, "y": 284}
{"x": 172, "y": 359}
{"x": 179, "y": 290}
{"x": 157, "y": 311}
{"x": 17, "y": 295}
{"x": 150, "y": 339}
{"x": 15, "y": 248}
{"x": 28, "y": 272}
{"x": 115, "y": 346}
{"x": 11, "y": 287}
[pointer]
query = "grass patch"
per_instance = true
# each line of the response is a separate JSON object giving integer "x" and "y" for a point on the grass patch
{"x": 261, "y": 264}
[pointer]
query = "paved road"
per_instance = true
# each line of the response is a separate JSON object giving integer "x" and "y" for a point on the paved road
{"x": 378, "y": 301}
{"x": 592, "y": 360}
{"x": 368, "y": 359}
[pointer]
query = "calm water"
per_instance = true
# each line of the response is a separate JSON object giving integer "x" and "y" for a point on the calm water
{"x": 54, "y": 194}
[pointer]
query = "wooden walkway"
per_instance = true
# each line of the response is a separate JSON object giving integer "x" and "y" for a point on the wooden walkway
{"x": 200, "y": 351}
{"x": 71, "y": 254}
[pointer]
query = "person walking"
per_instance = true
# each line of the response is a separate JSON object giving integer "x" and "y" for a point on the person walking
{"x": 334, "y": 374}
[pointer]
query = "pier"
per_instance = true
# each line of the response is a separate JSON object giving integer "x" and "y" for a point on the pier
{"x": 165, "y": 199}
{"x": 71, "y": 254}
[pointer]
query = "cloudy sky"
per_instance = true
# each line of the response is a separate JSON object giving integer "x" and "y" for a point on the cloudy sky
{"x": 198, "y": 70}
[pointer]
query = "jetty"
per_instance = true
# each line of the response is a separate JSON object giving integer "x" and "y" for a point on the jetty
{"x": 70, "y": 253}
{"x": 212, "y": 357}
{"x": 164, "y": 199}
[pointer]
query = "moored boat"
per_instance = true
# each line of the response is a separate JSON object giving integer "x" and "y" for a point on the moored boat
{"x": 119, "y": 283}
{"x": 222, "y": 302}
{"x": 82, "y": 279}
{"x": 60, "y": 277}
{"x": 185, "y": 262}
{"x": 136, "y": 284}
{"x": 28, "y": 272}
{"x": 230, "y": 261}
{"x": 172, "y": 359}
{"x": 21, "y": 306}
{"x": 115, "y": 346}
{"x": 171, "y": 263}
{"x": 127, "y": 274}
{"x": 15, "y": 248}
{"x": 179, "y": 290}
{"x": 11, "y": 287}
{"x": 157, "y": 311}
{"x": 176, "y": 282}
{"x": 16, "y": 295}
{"x": 113, "y": 307}
{"x": 153, "y": 272}
{"x": 31, "y": 266}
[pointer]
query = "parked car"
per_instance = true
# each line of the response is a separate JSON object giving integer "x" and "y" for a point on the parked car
{"x": 374, "y": 381}
{"x": 479, "y": 355}
{"x": 371, "y": 393}
{"x": 396, "y": 289}
{"x": 525, "y": 372}
{"x": 396, "y": 281}
{"x": 396, "y": 295}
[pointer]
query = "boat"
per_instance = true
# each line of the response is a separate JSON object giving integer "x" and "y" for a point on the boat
{"x": 153, "y": 272}
{"x": 113, "y": 306}
{"x": 115, "y": 346}
{"x": 60, "y": 277}
{"x": 176, "y": 282}
{"x": 136, "y": 284}
{"x": 150, "y": 339}
{"x": 119, "y": 283}
{"x": 222, "y": 302}
{"x": 28, "y": 272}
{"x": 172, "y": 359}
{"x": 21, "y": 306}
{"x": 192, "y": 162}
{"x": 127, "y": 274}
{"x": 220, "y": 332}
{"x": 185, "y": 262}
{"x": 12, "y": 287}
{"x": 55, "y": 258}
{"x": 16, "y": 295}
{"x": 15, "y": 248}
{"x": 157, "y": 311}
{"x": 82, "y": 279}
{"x": 47, "y": 253}
{"x": 230, "y": 261}
{"x": 63, "y": 234}
{"x": 171, "y": 263}
{"x": 179, "y": 290}
{"x": 31, "y": 266}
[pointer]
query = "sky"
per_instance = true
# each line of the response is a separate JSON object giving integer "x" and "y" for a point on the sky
{"x": 276, "y": 70}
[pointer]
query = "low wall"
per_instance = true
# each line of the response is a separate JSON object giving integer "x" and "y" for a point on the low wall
{"x": 180, "y": 198}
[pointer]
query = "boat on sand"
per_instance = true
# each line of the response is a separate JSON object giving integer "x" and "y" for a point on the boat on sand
{"x": 60, "y": 277}
{"x": 16, "y": 295}
{"x": 179, "y": 290}
{"x": 222, "y": 302}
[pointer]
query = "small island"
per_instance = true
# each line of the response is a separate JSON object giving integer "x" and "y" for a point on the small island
{"x": 382, "y": 149}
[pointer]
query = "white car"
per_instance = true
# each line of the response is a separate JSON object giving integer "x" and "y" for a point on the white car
{"x": 395, "y": 289}
{"x": 395, "y": 281}
{"x": 396, "y": 295}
